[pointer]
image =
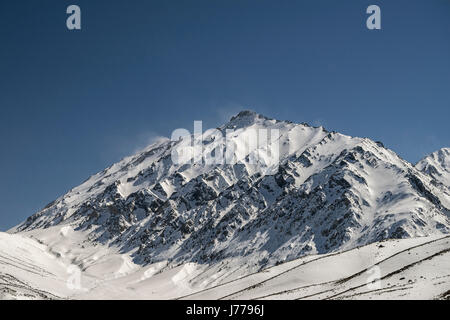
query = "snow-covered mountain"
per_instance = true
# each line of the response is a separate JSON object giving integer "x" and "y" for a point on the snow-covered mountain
{"x": 437, "y": 165}
{"x": 328, "y": 193}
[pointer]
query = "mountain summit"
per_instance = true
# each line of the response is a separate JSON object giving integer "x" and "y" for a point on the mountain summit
{"x": 437, "y": 165}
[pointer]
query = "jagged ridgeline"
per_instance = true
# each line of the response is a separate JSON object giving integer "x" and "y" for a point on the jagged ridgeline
{"x": 329, "y": 192}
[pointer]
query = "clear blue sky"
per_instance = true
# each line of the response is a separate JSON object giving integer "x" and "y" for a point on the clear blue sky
{"x": 72, "y": 103}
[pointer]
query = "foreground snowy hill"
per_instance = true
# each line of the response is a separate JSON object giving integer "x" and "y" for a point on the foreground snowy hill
{"x": 394, "y": 269}
{"x": 406, "y": 269}
{"x": 327, "y": 193}
{"x": 28, "y": 270}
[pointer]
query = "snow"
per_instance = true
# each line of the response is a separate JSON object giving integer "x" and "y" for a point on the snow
{"x": 409, "y": 269}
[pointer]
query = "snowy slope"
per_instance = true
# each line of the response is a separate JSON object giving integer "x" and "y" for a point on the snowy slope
{"x": 396, "y": 269}
{"x": 328, "y": 193}
{"x": 415, "y": 268}
{"x": 28, "y": 270}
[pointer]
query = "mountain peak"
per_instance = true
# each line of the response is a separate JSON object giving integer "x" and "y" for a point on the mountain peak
{"x": 437, "y": 165}
{"x": 444, "y": 151}
{"x": 245, "y": 118}
{"x": 245, "y": 114}
{"x": 441, "y": 156}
